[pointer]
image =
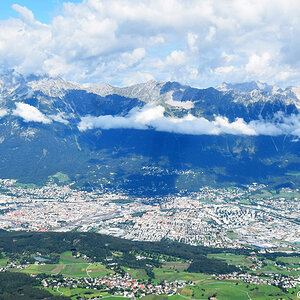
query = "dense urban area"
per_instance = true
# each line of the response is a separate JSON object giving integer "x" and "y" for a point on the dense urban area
{"x": 215, "y": 217}
{"x": 262, "y": 222}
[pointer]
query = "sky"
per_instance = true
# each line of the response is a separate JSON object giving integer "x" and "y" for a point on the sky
{"x": 123, "y": 42}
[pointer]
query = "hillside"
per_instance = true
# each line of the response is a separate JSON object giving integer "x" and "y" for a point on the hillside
{"x": 152, "y": 137}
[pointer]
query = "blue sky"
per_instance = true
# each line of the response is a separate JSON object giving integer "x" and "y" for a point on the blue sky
{"x": 44, "y": 10}
{"x": 121, "y": 42}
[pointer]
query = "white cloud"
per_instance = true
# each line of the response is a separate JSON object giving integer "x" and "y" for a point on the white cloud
{"x": 152, "y": 117}
{"x": 129, "y": 59}
{"x": 61, "y": 118}
{"x": 30, "y": 113}
{"x": 191, "y": 41}
{"x": 25, "y": 14}
{"x": 176, "y": 58}
{"x": 3, "y": 112}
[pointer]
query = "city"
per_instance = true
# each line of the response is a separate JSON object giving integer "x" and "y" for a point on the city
{"x": 214, "y": 217}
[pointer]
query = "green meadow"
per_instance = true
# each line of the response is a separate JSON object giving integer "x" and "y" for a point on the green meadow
{"x": 137, "y": 273}
{"x": 79, "y": 293}
{"x": 67, "y": 258}
{"x": 232, "y": 259}
{"x": 3, "y": 262}
{"x": 232, "y": 290}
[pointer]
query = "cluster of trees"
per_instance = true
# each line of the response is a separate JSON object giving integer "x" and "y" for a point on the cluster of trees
{"x": 18, "y": 286}
{"x": 98, "y": 247}
{"x": 211, "y": 266}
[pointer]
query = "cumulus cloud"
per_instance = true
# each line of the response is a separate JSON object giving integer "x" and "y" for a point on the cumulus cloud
{"x": 153, "y": 117}
{"x": 198, "y": 42}
{"x": 30, "y": 113}
{"x": 25, "y": 14}
{"x": 3, "y": 112}
{"x": 61, "y": 118}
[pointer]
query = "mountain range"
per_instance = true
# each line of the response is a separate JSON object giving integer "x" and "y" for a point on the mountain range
{"x": 154, "y": 137}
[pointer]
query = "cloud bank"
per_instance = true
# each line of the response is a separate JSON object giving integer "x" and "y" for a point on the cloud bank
{"x": 122, "y": 42}
{"x": 30, "y": 114}
{"x": 152, "y": 117}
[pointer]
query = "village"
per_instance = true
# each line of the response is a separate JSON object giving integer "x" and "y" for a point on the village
{"x": 127, "y": 286}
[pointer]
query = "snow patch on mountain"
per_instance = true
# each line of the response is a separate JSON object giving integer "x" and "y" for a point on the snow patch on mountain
{"x": 53, "y": 87}
{"x": 102, "y": 89}
{"x": 178, "y": 104}
{"x": 247, "y": 87}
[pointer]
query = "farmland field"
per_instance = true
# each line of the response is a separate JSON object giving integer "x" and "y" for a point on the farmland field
{"x": 232, "y": 259}
{"x": 232, "y": 290}
{"x": 67, "y": 258}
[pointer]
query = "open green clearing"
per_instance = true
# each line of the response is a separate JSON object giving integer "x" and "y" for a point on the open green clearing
{"x": 270, "y": 268}
{"x": 176, "y": 265}
{"x": 47, "y": 269}
{"x": 232, "y": 259}
{"x": 161, "y": 297}
{"x": 261, "y": 194}
{"x": 232, "y": 290}
{"x": 79, "y": 292}
{"x": 137, "y": 273}
{"x": 244, "y": 201}
{"x": 68, "y": 258}
{"x": 172, "y": 275}
{"x": 70, "y": 270}
{"x": 3, "y": 262}
{"x": 292, "y": 173}
{"x": 26, "y": 185}
{"x": 75, "y": 270}
{"x": 98, "y": 270}
{"x": 293, "y": 262}
{"x": 61, "y": 177}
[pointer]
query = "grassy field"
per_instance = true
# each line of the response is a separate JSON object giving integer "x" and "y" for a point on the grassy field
{"x": 269, "y": 268}
{"x": 244, "y": 201}
{"x": 98, "y": 270}
{"x": 171, "y": 275}
{"x": 176, "y": 266}
{"x": 160, "y": 297}
{"x": 61, "y": 177}
{"x": 293, "y": 173}
{"x": 3, "y": 262}
{"x": 81, "y": 293}
{"x": 70, "y": 270}
{"x": 272, "y": 193}
{"x": 230, "y": 290}
{"x": 293, "y": 262}
{"x": 171, "y": 271}
{"x": 232, "y": 259}
{"x": 67, "y": 258}
{"x": 137, "y": 273}
{"x": 47, "y": 269}
{"x": 75, "y": 270}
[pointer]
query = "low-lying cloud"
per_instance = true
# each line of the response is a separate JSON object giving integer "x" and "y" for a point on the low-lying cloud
{"x": 60, "y": 117}
{"x": 153, "y": 117}
{"x": 30, "y": 113}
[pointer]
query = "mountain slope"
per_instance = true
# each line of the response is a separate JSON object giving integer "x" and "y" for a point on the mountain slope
{"x": 155, "y": 137}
